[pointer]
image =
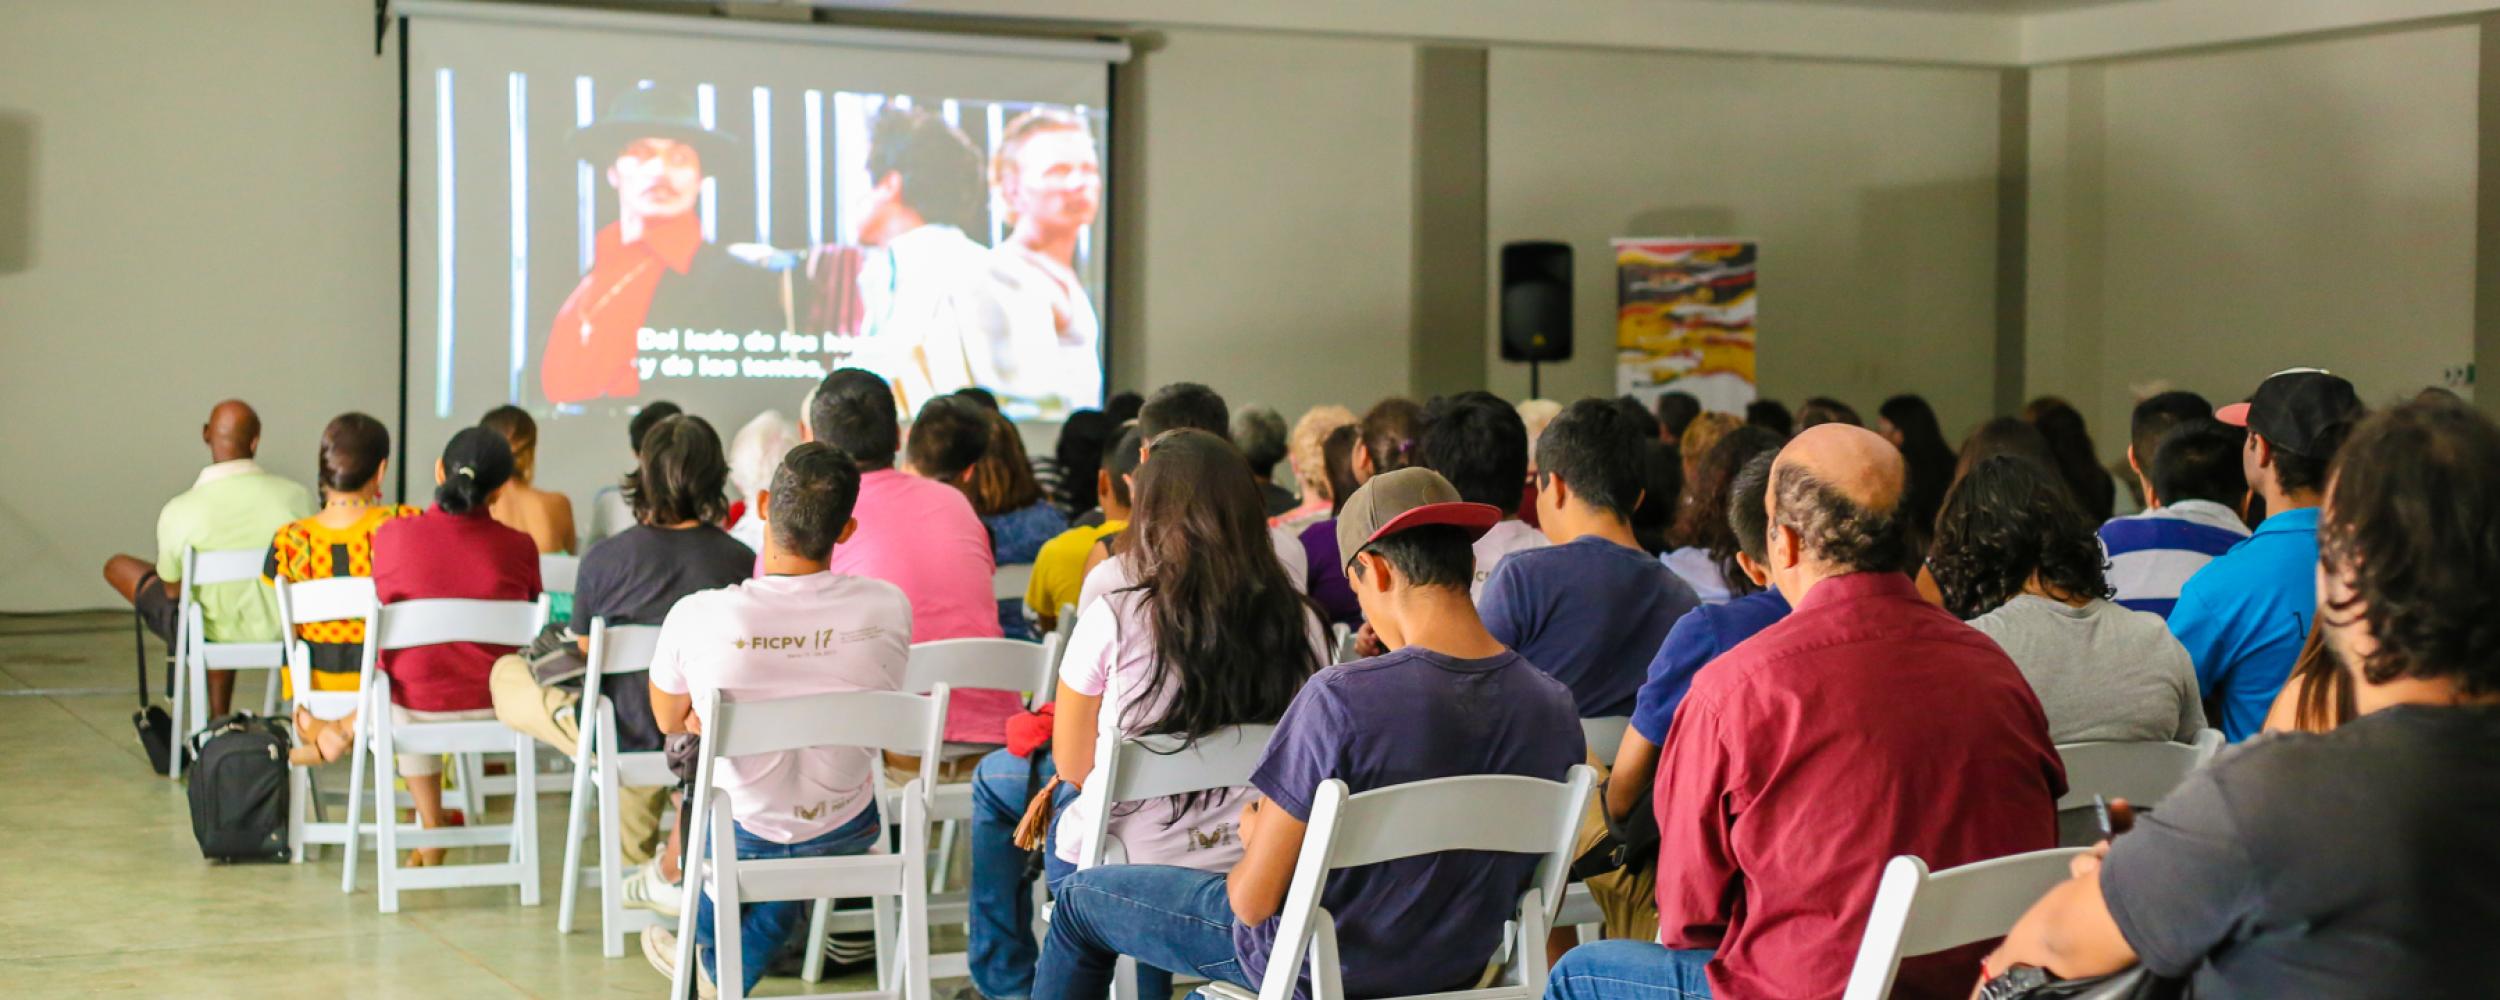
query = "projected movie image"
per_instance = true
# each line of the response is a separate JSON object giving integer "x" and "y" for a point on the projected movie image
{"x": 698, "y": 243}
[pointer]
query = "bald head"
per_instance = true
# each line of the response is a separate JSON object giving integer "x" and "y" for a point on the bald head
{"x": 1837, "y": 489}
{"x": 232, "y": 431}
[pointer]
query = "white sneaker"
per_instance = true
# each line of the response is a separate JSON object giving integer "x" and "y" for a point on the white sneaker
{"x": 644, "y": 889}
{"x": 659, "y": 947}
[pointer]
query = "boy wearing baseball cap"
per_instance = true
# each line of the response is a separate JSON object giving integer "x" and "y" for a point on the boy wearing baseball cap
{"x": 1446, "y": 700}
{"x": 2243, "y": 617}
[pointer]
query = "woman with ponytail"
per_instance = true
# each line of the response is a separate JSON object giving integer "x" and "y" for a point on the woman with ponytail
{"x": 1213, "y": 634}
{"x": 338, "y": 541}
{"x": 454, "y": 549}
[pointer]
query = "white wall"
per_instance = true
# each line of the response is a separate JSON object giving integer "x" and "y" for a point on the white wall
{"x": 213, "y": 190}
{"x": 2207, "y": 219}
{"x": 1274, "y": 212}
{"x": 1872, "y": 190}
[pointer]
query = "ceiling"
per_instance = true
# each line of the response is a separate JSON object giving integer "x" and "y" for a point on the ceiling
{"x": 1964, "y": 6}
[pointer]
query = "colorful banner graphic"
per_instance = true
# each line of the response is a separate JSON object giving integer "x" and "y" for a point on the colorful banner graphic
{"x": 1684, "y": 320}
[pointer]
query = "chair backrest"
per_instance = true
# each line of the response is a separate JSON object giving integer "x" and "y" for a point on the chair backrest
{"x": 1026, "y": 668}
{"x": 614, "y": 649}
{"x": 1503, "y": 813}
{"x": 1345, "y": 645}
{"x": 1605, "y": 735}
{"x": 208, "y": 568}
{"x": 1153, "y": 767}
{"x": 1917, "y": 912}
{"x": 2139, "y": 772}
{"x": 1008, "y": 582}
{"x": 334, "y": 599}
{"x": 559, "y": 573}
{"x": 433, "y": 621}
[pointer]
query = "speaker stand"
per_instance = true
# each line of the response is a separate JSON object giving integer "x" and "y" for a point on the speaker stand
{"x": 1536, "y": 383}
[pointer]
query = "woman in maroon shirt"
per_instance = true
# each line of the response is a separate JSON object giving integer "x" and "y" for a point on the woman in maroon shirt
{"x": 454, "y": 549}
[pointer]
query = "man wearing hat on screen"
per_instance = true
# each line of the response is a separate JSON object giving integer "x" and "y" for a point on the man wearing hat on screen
{"x": 1447, "y": 700}
{"x": 651, "y": 267}
{"x": 2244, "y": 616}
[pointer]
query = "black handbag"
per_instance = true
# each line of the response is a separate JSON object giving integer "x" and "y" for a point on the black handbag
{"x": 156, "y": 728}
{"x": 2025, "y": 982}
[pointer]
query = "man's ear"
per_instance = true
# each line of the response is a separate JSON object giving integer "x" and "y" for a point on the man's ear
{"x": 848, "y": 527}
{"x": 1783, "y": 547}
{"x": 611, "y": 174}
{"x": 438, "y": 472}
{"x": 1102, "y": 483}
{"x": 1753, "y": 569}
{"x": 763, "y": 503}
{"x": 1375, "y": 572}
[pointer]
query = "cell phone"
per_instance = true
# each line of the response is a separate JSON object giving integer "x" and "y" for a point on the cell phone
{"x": 2107, "y": 821}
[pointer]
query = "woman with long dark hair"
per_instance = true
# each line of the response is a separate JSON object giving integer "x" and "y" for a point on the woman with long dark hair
{"x": 2016, "y": 559}
{"x": 1910, "y": 424}
{"x": 1704, "y": 552}
{"x": 2096, "y": 491}
{"x": 1212, "y": 634}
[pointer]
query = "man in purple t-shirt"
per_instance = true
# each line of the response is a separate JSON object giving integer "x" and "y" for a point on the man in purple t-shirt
{"x": 1447, "y": 700}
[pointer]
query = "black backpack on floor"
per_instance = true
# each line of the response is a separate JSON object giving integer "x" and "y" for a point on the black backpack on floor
{"x": 238, "y": 786}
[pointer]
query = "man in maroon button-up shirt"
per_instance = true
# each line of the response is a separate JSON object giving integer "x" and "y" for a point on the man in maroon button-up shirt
{"x": 1865, "y": 725}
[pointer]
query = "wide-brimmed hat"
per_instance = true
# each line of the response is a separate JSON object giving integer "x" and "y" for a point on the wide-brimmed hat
{"x": 647, "y": 112}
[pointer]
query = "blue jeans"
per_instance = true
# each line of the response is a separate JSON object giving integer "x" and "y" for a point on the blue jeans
{"x": 764, "y": 927}
{"x": 1630, "y": 970}
{"x": 1162, "y": 916}
{"x": 1001, "y": 950}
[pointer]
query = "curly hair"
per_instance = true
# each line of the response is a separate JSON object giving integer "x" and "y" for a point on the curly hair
{"x": 1836, "y": 527}
{"x": 2407, "y": 524}
{"x": 2008, "y": 520}
{"x": 1703, "y": 523}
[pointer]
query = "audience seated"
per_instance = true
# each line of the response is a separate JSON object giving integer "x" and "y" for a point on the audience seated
{"x": 1008, "y": 499}
{"x": 918, "y": 534}
{"x": 454, "y": 549}
{"x": 1662, "y": 490}
{"x": 2005, "y": 436}
{"x": 754, "y": 455}
{"x": 2193, "y": 486}
{"x": 1323, "y": 569}
{"x": 1820, "y": 410}
{"x": 1629, "y": 898}
{"x": 544, "y": 515}
{"x": 1774, "y": 825}
{"x": 1066, "y": 475}
{"x": 1676, "y": 411}
{"x": 1212, "y": 635}
{"x": 1123, "y": 407}
{"x": 1310, "y": 467}
{"x": 1638, "y": 413}
{"x": 1771, "y": 415}
{"x": 1260, "y": 434}
{"x": 1478, "y": 443}
{"x": 634, "y": 578}
{"x": 2078, "y": 463}
{"x": 609, "y": 512}
{"x": 337, "y": 542}
{"x": 233, "y": 504}
{"x": 2016, "y": 559}
{"x": 1705, "y": 553}
{"x": 1180, "y": 406}
{"x": 1449, "y": 700}
{"x": 1392, "y": 429}
{"x": 2243, "y": 616}
{"x": 799, "y": 803}
{"x": 2351, "y": 863}
{"x": 1592, "y": 607}
{"x": 1700, "y": 434}
{"x": 1910, "y": 424}
{"x": 1059, "y": 569}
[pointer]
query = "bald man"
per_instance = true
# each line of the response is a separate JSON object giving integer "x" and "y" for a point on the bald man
{"x": 1867, "y": 724}
{"x": 233, "y": 505}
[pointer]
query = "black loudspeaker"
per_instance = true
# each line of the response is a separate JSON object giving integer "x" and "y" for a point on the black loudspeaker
{"x": 1536, "y": 301}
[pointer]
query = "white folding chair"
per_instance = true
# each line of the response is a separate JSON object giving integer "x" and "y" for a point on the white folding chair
{"x": 195, "y": 656}
{"x": 1008, "y": 582}
{"x": 409, "y": 624}
{"x": 334, "y": 599}
{"x": 2140, "y": 772}
{"x": 1505, "y": 813}
{"x": 600, "y": 771}
{"x": 1920, "y": 913}
{"x": 1605, "y": 735}
{"x": 1154, "y": 767}
{"x": 1579, "y": 909}
{"x": 557, "y": 574}
{"x": 1345, "y": 646}
{"x": 872, "y": 721}
{"x": 1028, "y": 669}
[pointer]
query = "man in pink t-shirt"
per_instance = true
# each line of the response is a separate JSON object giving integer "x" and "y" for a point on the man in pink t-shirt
{"x": 917, "y": 534}
{"x": 797, "y": 630}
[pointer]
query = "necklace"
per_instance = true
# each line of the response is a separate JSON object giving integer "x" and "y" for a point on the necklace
{"x": 354, "y": 504}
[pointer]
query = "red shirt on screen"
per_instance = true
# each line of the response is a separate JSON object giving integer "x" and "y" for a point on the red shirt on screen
{"x": 591, "y": 348}
{"x": 1867, "y": 724}
{"x": 441, "y": 554}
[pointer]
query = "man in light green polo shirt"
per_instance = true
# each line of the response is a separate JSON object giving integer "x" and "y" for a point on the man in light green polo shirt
{"x": 233, "y": 505}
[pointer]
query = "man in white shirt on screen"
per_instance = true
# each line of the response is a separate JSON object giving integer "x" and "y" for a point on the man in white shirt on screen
{"x": 1048, "y": 175}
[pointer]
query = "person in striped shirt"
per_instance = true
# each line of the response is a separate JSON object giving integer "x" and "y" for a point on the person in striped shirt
{"x": 2193, "y": 487}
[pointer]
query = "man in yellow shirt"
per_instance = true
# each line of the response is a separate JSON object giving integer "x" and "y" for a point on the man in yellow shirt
{"x": 1059, "y": 571}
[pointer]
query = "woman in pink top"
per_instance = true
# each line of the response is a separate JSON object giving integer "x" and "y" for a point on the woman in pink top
{"x": 1212, "y": 635}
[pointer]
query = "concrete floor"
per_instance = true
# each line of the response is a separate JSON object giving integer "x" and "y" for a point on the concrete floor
{"x": 106, "y": 895}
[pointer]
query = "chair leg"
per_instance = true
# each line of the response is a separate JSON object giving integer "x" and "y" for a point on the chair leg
{"x": 611, "y": 866}
{"x": 570, "y": 888}
{"x": 298, "y": 796}
{"x": 885, "y": 917}
{"x": 181, "y": 710}
{"x": 386, "y": 829}
{"x": 525, "y": 814}
{"x": 945, "y": 857}
{"x": 269, "y": 697}
{"x": 357, "y": 757}
{"x": 728, "y": 952}
{"x": 812, "y": 967}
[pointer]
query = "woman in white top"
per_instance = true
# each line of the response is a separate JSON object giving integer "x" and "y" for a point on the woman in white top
{"x": 1211, "y": 634}
{"x": 2018, "y": 559}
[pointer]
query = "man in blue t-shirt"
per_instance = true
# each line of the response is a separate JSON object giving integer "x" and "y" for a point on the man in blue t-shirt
{"x": 2244, "y": 616}
{"x": 1592, "y": 608}
{"x": 1447, "y": 700}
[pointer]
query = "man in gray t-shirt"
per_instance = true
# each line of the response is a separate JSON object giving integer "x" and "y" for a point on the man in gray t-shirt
{"x": 2102, "y": 672}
